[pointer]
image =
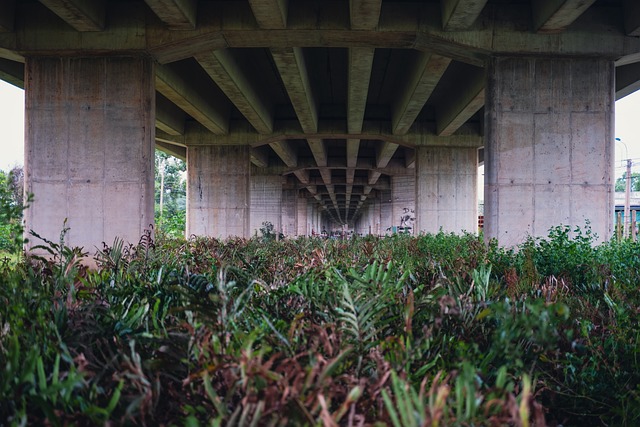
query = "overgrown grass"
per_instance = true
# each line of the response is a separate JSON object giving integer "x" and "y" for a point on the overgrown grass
{"x": 435, "y": 330}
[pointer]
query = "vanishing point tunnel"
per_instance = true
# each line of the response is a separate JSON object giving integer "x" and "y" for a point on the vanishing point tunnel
{"x": 312, "y": 113}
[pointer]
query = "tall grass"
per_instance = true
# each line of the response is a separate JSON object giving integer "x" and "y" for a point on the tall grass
{"x": 439, "y": 330}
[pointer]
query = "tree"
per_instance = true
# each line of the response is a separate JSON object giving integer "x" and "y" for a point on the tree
{"x": 170, "y": 194}
{"x": 635, "y": 182}
{"x": 11, "y": 207}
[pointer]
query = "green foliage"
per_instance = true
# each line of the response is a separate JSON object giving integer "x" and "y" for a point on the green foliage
{"x": 621, "y": 183}
{"x": 11, "y": 207}
{"x": 402, "y": 331}
{"x": 170, "y": 195}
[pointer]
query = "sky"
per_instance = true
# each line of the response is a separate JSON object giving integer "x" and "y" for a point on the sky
{"x": 12, "y": 124}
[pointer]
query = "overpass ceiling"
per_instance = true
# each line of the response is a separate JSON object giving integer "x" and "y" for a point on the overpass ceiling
{"x": 333, "y": 94}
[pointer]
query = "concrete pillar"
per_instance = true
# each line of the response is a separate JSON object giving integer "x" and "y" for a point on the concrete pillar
{"x": 289, "y": 212}
{"x": 302, "y": 217}
{"x": 218, "y": 199}
{"x": 549, "y": 146}
{"x": 446, "y": 189}
{"x": 89, "y": 151}
{"x": 403, "y": 191}
{"x": 266, "y": 202}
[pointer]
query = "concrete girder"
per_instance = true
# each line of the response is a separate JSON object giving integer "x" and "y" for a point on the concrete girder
{"x": 353, "y": 148}
{"x": 632, "y": 17}
{"x": 222, "y": 67}
{"x": 627, "y": 79}
{"x": 169, "y": 118}
{"x": 7, "y": 16}
{"x": 460, "y": 14}
{"x": 12, "y": 72}
{"x": 176, "y": 14}
{"x": 360, "y": 64}
{"x": 82, "y": 15}
{"x": 259, "y": 156}
{"x": 172, "y": 150}
{"x": 303, "y": 176}
{"x": 409, "y": 158}
{"x": 285, "y": 151}
{"x": 384, "y": 153}
{"x": 458, "y": 110}
{"x": 553, "y": 16}
{"x": 364, "y": 14}
{"x": 190, "y": 99}
{"x": 423, "y": 79}
{"x": 270, "y": 14}
{"x": 319, "y": 151}
{"x": 293, "y": 71}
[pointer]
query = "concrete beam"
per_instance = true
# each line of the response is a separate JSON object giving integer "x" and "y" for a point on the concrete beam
{"x": 384, "y": 153}
{"x": 554, "y": 16}
{"x": 409, "y": 158}
{"x": 169, "y": 118}
{"x": 459, "y": 15}
{"x": 284, "y": 150}
{"x": 420, "y": 84}
{"x": 319, "y": 151}
{"x": 172, "y": 150}
{"x": 364, "y": 14}
{"x": 222, "y": 67}
{"x": 7, "y": 16}
{"x": 360, "y": 64}
{"x": 632, "y": 17}
{"x": 627, "y": 79}
{"x": 293, "y": 71}
{"x": 82, "y": 15}
{"x": 303, "y": 176}
{"x": 458, "y": 110}
{"x": 189, "y": 98}
{"x": 270, "y": 14}
{"x": 176, "y": 14}
{"x": 12, "y": 72}
{"x": 353, "y": 148}
{"x": 260, "y": 156}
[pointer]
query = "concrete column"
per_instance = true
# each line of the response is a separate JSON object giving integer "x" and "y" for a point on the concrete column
{"x": 289, "y": 212}
{"x": 266, "y": 202}
{"x": 549, "y": 146}
{"x": 403, "y": 191}
{"x": 218, "y": 198}
{"x": 301, "y": 216}
{"x": 90, "y": 131}
{"x": 446, "y": 189}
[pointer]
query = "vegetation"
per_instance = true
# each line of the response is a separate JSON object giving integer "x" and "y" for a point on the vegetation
{"x": 622, "y": 182}
{"x": 170, "y": 194}
{"x": 402, "y": 331}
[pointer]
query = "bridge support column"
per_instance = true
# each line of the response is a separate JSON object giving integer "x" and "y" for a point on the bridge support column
{"x": 289, "y": 212}
{"x": 218, "y": 196}
{"x": 90, "y": 126}
{"x": 549, "y": 146}
{"x": 403, "y": 190}
{"x": 446, "y": 189}
{"x": 266, "y": 202}
{"x": 302, "y": 219}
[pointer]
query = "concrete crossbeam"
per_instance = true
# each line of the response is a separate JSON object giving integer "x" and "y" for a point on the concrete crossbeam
{"x": 172, "y": 150}
{"x": 459, "y": 109}
{"x": 176, "y": 14}
{"x": 360, "y": 63}
{"x": 460, "y": 14}
{"x": 270, "y": 14}
{"x": 553, "y": 16}
{"x": 420, "y": 83}
{"x": 260, "y": 157}
{"x": 293, "y": 71}
{"x": 222, "y": 67}
{"x": 82, "y": 15}
{"x": 175, "y": 87}
{"x": 384, "y": 153}
{"x": 364, "y": 14}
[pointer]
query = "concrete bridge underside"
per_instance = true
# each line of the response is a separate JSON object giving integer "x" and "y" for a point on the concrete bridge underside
{"x": 313, "y": 114}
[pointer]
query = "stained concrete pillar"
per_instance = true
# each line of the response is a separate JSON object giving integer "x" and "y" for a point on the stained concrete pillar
{"x": 266, "y": 202}
{"x": 549, "y": 146}
{"x": 302, "y": 218}
{"x": 446, "y": 189}
{"x": 289, "y": 212}
{"x": 89, "y": 154}
{"x": 403, "y": 191}
{"x": 218, "y": 196}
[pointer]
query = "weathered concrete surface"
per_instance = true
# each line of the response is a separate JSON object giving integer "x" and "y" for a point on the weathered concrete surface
{"x": 302, "y": 227}
{"x": 289, "y": 212}
{"x": 549, "y": 146}
{"x": 446, "y": 194}
{"x": 218, "y": 193}
{"x": 266, "y": 202}
{"x": 403, "y": 190}
{"x": 90, "y": 148}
